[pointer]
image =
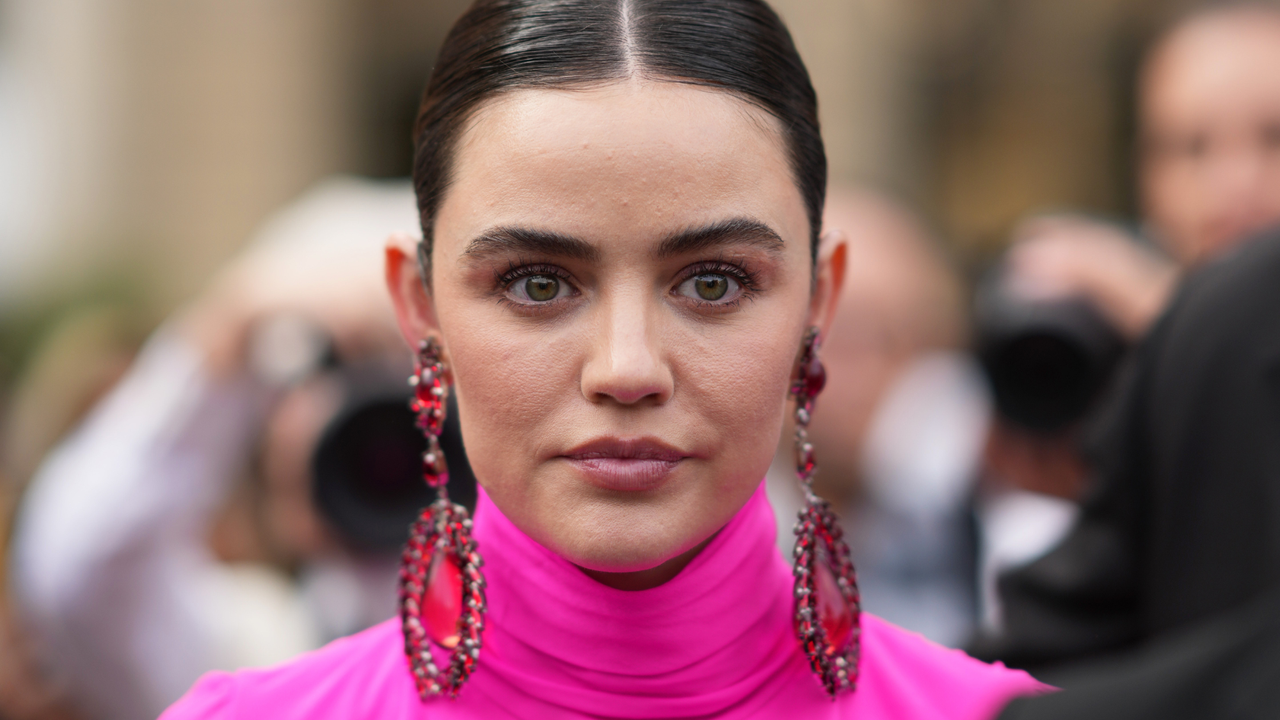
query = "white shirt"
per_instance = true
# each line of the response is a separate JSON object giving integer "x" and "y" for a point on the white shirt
{"x": 110, "y": 564}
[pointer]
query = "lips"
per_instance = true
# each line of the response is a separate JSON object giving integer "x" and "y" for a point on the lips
{"x": 626, "y": 464}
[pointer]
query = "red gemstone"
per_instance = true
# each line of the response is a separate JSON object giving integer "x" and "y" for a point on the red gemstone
{"x": 424, "y": 396}
{"x": 834, "y": 613}
{"x": 815, "y": 377}
{"x": 442, "y": 603}
{"x": 428, "y": 402}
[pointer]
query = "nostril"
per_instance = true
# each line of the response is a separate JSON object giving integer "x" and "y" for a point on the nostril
{"x": 629, "y": 384}
{"x": 630, "y": 396}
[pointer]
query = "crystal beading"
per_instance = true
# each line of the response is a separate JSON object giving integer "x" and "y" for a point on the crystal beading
{"x": 435, "y": 471}
{"x": 440, "y": 560}
{"x": 827, "y": 603}
{"x": 442, "y": 601}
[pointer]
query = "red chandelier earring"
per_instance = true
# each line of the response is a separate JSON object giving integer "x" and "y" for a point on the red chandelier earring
{"x": 442, "y": 599}
{"x": 827, "y": 604}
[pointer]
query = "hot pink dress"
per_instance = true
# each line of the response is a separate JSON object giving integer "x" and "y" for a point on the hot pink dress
{"x": 714, "y": 642}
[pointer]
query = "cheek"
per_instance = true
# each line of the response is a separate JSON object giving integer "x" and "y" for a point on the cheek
{"x": 1175, "y": 202}
{"x": 1170, "y": 184}
{"x": 1269, "y": 191}
{"x": 508, "y": 386}
{"x": 737, "y": 388}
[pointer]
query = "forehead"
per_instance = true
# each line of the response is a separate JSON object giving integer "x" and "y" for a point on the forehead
{"x": 628, "y": 157}
{"x": 1213, "y": 66}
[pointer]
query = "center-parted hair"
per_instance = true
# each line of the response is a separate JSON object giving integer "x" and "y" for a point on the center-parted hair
{"x": 739, "y": 46}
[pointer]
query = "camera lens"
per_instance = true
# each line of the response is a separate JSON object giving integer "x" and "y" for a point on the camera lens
{"x": 367, "y": 469}
{"x": 1047, "y": 360}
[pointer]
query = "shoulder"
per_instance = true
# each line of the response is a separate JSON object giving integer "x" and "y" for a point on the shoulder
{"x": 361, "y": 676}
{"x": 903, "y": 674}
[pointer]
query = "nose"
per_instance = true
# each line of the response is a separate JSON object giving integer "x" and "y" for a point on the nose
{"x": 1239, "y": 169}
{"x": 1237, "y": 186}
{"x": 626, "y": 364}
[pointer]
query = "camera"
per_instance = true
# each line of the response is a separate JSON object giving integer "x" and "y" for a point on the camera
{"x": 1047, "y": 360}
{"x": 367, "y": 466}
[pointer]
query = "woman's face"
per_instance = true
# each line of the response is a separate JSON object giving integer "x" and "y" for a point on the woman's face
{"x": 621, "y": 281}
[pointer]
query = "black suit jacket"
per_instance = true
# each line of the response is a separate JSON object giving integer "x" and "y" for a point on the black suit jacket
{"x": 1183, "y": 521}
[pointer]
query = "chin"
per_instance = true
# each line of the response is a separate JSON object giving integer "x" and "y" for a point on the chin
{"x": 621, "y": 560}
{"x": 622, "y": 552}
{"x": 615, "y": 532}
{"x": 605, "y": 542}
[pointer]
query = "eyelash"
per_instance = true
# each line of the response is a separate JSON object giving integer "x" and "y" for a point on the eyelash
{"x": 520, "y": 269}
{"x": 517, "y": 271}
{"x": 746, "y": 279}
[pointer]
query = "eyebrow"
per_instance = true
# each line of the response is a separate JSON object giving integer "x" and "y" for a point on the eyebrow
{"x": 734, "y": 231}
{"x": 499, "y": 240}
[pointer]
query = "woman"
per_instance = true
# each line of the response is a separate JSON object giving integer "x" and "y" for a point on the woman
{"x": 620, "y": 278}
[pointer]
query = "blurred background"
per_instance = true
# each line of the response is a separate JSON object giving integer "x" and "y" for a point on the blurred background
{"x": 144, "y": 141}
{"x": 143, "y": 144}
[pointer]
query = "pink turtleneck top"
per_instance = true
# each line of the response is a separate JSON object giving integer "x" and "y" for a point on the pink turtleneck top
{"x": 714, "y": 642}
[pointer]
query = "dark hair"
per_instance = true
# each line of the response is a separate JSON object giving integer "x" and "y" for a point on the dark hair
{"x": 739, "y": 46}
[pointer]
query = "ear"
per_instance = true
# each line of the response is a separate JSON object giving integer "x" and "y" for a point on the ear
{"x": 833, "y": 251}
{"x": 415, "y": 312}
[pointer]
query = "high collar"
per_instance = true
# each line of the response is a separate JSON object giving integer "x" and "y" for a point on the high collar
{"x": 696, "y": 645}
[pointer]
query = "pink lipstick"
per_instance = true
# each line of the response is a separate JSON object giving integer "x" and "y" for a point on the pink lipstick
{"x": 625, "y": 464}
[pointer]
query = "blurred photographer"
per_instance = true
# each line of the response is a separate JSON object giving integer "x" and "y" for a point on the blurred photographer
{"x": 142, "y": 559}
{"x": 1209, "y": 113}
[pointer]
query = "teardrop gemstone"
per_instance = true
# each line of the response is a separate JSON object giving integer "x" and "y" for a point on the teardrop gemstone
{"x": 442, "y": 601}
{"x": 834, "y": 613}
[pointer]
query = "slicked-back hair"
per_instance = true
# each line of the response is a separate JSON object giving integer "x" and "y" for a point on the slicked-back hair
{"x": 738, "y": 46}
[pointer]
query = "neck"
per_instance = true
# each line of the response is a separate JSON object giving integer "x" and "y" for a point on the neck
{"x": 647, "y": 579}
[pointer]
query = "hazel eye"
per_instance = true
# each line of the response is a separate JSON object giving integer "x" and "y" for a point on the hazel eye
{"x": 539, "y": 288}
{"x": 710, "y": 287}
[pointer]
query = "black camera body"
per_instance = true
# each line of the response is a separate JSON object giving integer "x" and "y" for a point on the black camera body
{"x": 367, "y": 467}
{"x": 1048, "y": 360}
